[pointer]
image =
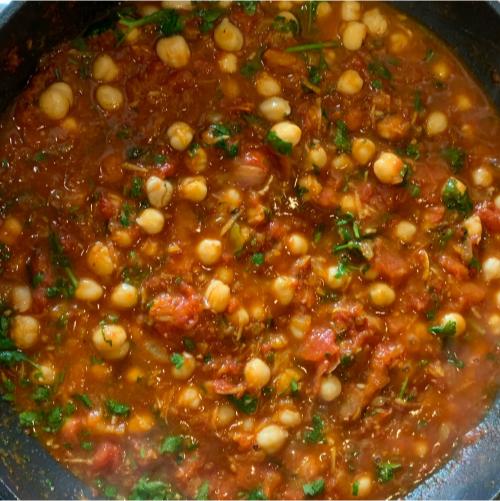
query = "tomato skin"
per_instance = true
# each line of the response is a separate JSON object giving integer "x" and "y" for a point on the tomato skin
{"x": 490, "y": 217}
{"x": 319, "y": 345}
{"x": 107, "y": 457}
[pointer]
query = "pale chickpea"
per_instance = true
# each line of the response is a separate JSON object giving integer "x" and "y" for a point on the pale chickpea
{"x": 330, "y": 57}
{"x": 44, "y": 374}
{"x": 494, "y": 324}
{"x": 388, "y": 167}
{"x": 217, "y": 295}
{"x": 109, "y": 98}
{"x": 342, "y": 162}
{"x": 100, "y": 260}
{"x": 286, "y": 4}
{"x": 193, "y": 188}
{"x": 463, "y": 102}
{"x": 88, "y": 290}
{"x": 228, "y": 63}
{"x": 275, "y": 109}
{"x": 147, "y": 9}
{"x": 189, "y": 398}
{"x": 348, "y": 203}
{"x": 405, "y": 231}
{"x": 197, "y": 159}
{"x": 289, "y": 418}
{"x": 381, "y": 294}
{"x": 240, "y": 318}
{"x": 70, "y": 125}
{"x": 173, "y": 51}
{"x": 56, "y": 100}
{"x": 287, "y": 132}
{"x": 363, "y": 150}
{"x": 496, "y": 201}
{"x": 184, "y": 371}
{"x": 271, "y": 438}
{"x": 124, "y": 296}
{"x": 224, "y": 415}
{"x": 10, "y": 230}
{"x": 111, "y": 341}
{"x": 316, "y": 156}
{"x": 333, "y": 280}
{"x": 133, "y": 35}
{"x": 354, "y": 35}
{"x": 324, "y": 10}
{"x": 297, "y": 244}
{"x": 398, "y": 42}
{"x": 105, "y": 69}
{"x": 266, "y": 85}
{"x": 209, "y": 251}
{"x": 482, "y": 177}
{"x": 180, "y": 135}
{"x": 364, "y": 483}
{"x": 177, "y": 4}
{"x": 228, "y": 37}
{"x": 436, "y": 123}
{"x": 283, "y": 289}
{"x": 474, "y": 227}
{"x": 441, "y": 70}
{"x": 140, "y": 422}
{"x": 299, "y": 325}
{"x": 350, "y": 83}
{"x": 330, "y": 388}
{"x": 350, "y": 11}
{"x": 491, "y": 269}
{"x": 159, "y": 191}
{"x": 231, "y": 197}
{"x": 21, "y": 298}
{"x": 375, "y": 22}
{"x": 257, "y": 373}
{"x": 224, "y": 274}
{"x": 151, "y": 221}
{"x": 134, "y": 374}
{"x": 25, "y": 331}
{"x": 457, "y": 319}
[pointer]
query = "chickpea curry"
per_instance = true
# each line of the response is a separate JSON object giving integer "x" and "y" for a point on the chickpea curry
{"x": 250, "y": 250}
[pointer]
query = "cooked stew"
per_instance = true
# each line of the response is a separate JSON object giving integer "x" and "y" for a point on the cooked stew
{"x": 250, "y": 250}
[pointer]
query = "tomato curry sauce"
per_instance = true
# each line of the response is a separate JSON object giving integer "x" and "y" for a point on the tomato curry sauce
{"x": 250, "y": 250}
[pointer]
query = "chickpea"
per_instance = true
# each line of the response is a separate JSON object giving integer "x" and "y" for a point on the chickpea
{"x": 436, "y": 123}
{"x": 330, "y": 388}
{"x": 99, "y": 260}
{"x": 147, "y": 9}
{"x": 240, "y": 318}
{"x": 300, "y": 325}
{"x": 271, "y": 438}
{"x": 491, "y": 269}
{"x": 348, "y": 203}
{"x": 134, "y": 374}
{"x": 457, "y": 319}
{"x": 482, "y": 177}
{"x": 350, "y": 83}
{"x": 56, "y": 100}
{"x": 350, "y": 11}
{"x": 354, "y": 35}
{"x": 177, "y": 4}
{"x": 88, "y": 290}
{"x": 474, "y": 227}
{"x": 364, "y": 483}
{"x": 283, "y": 289}
{"x": 70, "y": 125}
{"x": 333, "y": 280}
{"x": 228, "y": 63}
{"x": 180, "y": 135}
{"x": 209, "y": 251}
{"x": 193, "y": 188}
{"x": 109, "y": 98}
{"x": 463, "y": 102}
{"x": 441, "y": 70}
{"x": 111, "y": 341}
{"x": 10, "y": 230}
{"x": 105, "y": 69}
{"x": 224, "y": 274}
{"x": 133, "y": 35}
{"x": 231, "y": 197}
{"x": 363, "y": 150}
{"x": 288, "y": 132}
{"x": 224, "y": 415}
{"x": 297, "y": 244}
{"x": 330, "y": 57}
{"x": 286, "y": 4}
{"x": 382, "y": 295}
{"x": 140, "y": 422}
{"x": 197, "y": 160}
{"x": 190, "y": 398}
{"x": 228, "y": 37}
{"x": 388, "y": 167}
{"x": 217, "y": 295}
{"x": 44, "y": 374}
{"x": 494, "y": 324}
{"x": 267, "y": 86}
{"x": 173, "y": 51}
{"x": 496, "y": 201}
{"x": 21, "y": 298}
{"x": 230, "y": 87}
{"x": 257, "y": 373}
{"x": 375, "y": 22}
{"x": 342, "y": 162}
{"x": 405, "y": 231}
{"x": 289, "y": 418}
{"x": 398, "y": 42}
{"x": 25, "y": 331}
{"x": 275, "y": 109}
{"x": 184, "y": 371}
{"x": 316, "y": 156}
{"x": 151, "y": 221}
{"x": 159, "y": 191}
{"x": 124, "y": 296}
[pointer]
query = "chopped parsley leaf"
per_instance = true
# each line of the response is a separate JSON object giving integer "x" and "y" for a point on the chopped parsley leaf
{"x": 172, "y": 444}
{"x": 447, "y": 330}
{"x": 314, "y": 488}
{"x": 342, "y": 140}
{"x": 385, "y": 471}
{"x": 278, "y": 145}
{"x": 117, "y": 408}
{"x": 455, "y": 158}
{"x": 168, "y": 20}
{"x": 246, "y": 404}
{"x": 177, "y": 360}
{"x": 258, "y": 258}
{"x": 315, "y": 435}
{"x": 455, "y": 197}
{"x": 202, "y": 492}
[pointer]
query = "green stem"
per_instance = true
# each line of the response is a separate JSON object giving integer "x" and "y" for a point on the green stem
{"x": 312, "y": 46}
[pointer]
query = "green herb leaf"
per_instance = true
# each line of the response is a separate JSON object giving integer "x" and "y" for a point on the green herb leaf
{"x": 314, "y": 488}
{"x": 249, "y": 6}
{"x": 222, "y": 134}
{"x": 125, "y": 214}
{"x": 208, "y": 17}
{"x": 168, "y": 20}
{"x": 447, "y": 330}
{"x": 355, "y": 488}
{"x": 153, "y": 489}
{"x": 256, "y": 493}
{"x": 318, "y": 233}
{"x": 284, "y": 25}
{"x": 417, "y": 102}
{"x": 413, "y": 151}
{"x": 41, "y": 394}
{"x": 9, "y": 354}
{"x": 252, "y": 66}
{"x": 54, "y": 420}
{"x": 246, "y": 404}
{"x": 172, "y": 444}
{"x": 117, "y": 408}
{"x": 429, "y": 55}
{"x": 342, "y": 140}
{"x": 258, "y": 258}
{"x": 379, "y": 69}
{"x": 202, "y": 492}
{"x": 135, "y": 190}
{"x": 376, "y": 84}
{"x": 385, "y": 471}
{"x": 177, "y": 360}
{"x": 312, "y": 46}
{"x": 455, "y": 157}
{"x": 454, "y": 198}
{"x": 315, "y": 434}
{"x": 278, "y": 145}
{"x": 84, "y": 399}
{"x": 455, "y": 361}
{"x": 29, "y": 419}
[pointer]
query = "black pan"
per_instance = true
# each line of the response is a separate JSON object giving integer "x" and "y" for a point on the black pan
{"x": 27, "y": 30}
